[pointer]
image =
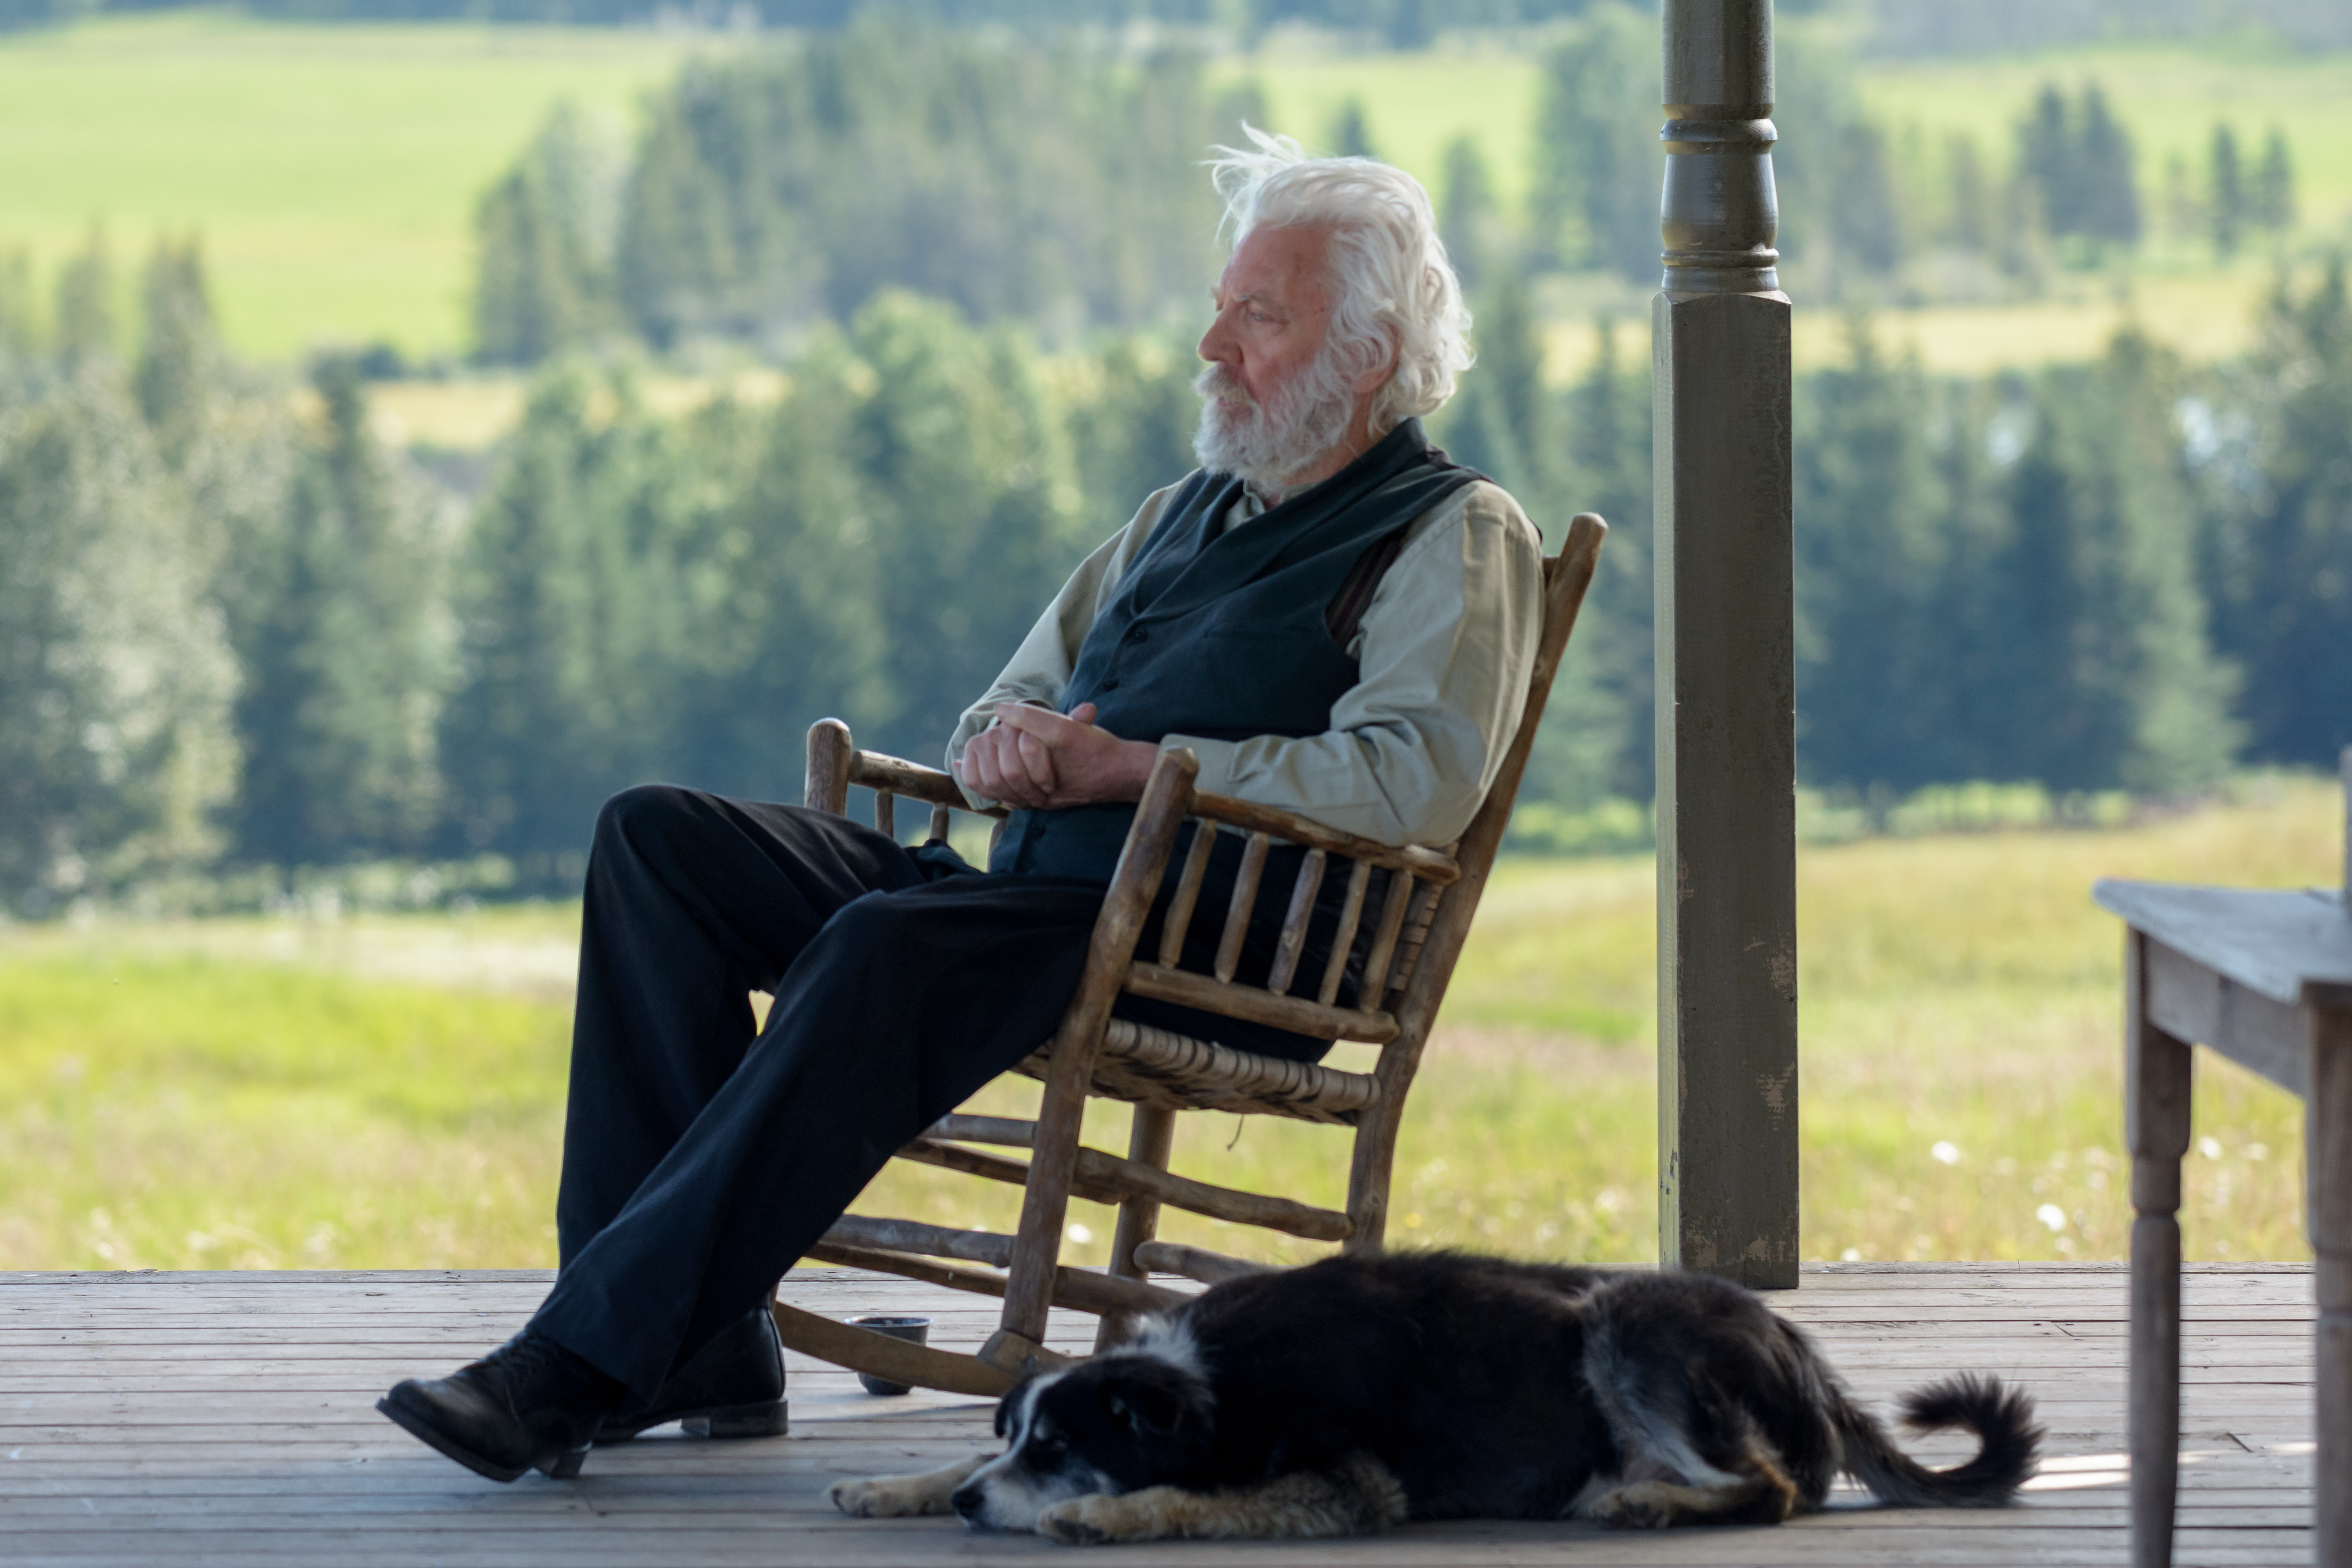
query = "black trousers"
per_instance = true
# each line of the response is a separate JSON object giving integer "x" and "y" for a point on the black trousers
{"x": 700, "y": 1161}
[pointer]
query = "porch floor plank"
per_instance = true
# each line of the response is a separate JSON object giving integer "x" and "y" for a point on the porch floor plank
{"x": 228, "y": 1419}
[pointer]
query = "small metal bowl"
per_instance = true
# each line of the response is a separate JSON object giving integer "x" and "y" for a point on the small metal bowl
{"x": 914, "y": 1330}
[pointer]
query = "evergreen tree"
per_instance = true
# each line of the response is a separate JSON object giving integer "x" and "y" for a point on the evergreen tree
{"x": 778, "y": 185}
{"x": 225, "y": 439}
{"x": 115, "y": 678}
{"x": 180, "y": 361}
{"x": 1969, "y": 731}
{"x": 1865, "y": 226}
{"x": 1971, "y": 225}
{"x": 344, "y": 641}
{"x": 2105, "y": 657}
{"x": 792, "y": 601}
{"x": 2024, "y": 242}
{"x": 1866, "y": 560}
{"x": 20, "y": 326}
{"x": 84, "y": 311}
{"x": 676, "y": 250}
{"x": 2081, "y": 165}
{"x": 1588, "y": 451}
{"x": 1467, "y": 219}
{"x": 1602, "y": 742}
{"x": 2045, "y": 156}
{"x": 2226, "y": 204}
{"x": 2110, "y": 192}
{"x": 545, "y": 236}
{"x": 969, "y": 487}
{"x": 2279, "y": 549}
{"x": 1598, "y": 165}
{"x": 1826, "y": 140}
{"x": 2272, "y": 198}
{"x": 1131, "y": 427}
{"x": 1351, "y": 133}
{"x": 576, "y": 632}
{"x": 1503, "y": 422}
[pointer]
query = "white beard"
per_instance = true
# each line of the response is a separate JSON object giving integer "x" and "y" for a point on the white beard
{"x": 1263, "y": 445}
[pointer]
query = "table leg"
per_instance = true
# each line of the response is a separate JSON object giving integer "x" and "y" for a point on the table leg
{"x": 2327, "y": 1166}
{"x": 2156, "y": 1080}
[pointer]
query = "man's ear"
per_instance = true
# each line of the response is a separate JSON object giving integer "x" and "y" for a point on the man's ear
{"x": 1155, "y": 1405}
{"x": 1372, "y": 380}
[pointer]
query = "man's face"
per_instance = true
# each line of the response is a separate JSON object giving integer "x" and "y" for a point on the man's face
{"x": 1274, "y": 405}
{"x": 1273, "y": 310}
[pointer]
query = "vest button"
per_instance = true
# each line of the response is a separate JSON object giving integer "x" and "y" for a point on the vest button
{"x": 1110, "y": 685}
{"x": 1137, "y": 634}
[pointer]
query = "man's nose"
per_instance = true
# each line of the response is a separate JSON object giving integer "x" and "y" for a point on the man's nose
{"x": 1217, "y": 344}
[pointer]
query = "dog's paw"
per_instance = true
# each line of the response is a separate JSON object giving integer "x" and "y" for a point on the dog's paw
{"x": 882, "y": 1496}
{"x": 1638, "y": 1506}
{"x": 1088, "y": 1520}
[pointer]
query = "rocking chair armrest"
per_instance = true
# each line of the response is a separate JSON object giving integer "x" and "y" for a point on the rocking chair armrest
{"x": 1435, "y": 867}
{"x": 912, "y": 781}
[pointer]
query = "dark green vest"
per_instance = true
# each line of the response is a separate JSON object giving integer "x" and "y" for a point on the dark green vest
{"x": 1229, "y": 636}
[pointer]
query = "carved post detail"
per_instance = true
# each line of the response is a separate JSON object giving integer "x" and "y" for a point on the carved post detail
{"x": 1726, "y": 670}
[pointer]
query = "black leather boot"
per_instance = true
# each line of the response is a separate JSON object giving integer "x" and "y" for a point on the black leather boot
{"x": 731, "y": 1388}
{"x": 529, "y": 1404}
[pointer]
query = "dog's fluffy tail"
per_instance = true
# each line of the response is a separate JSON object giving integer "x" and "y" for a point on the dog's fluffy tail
{"x": 2001, "y": 1417}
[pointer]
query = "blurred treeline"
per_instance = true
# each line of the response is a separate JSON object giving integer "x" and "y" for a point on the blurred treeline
{"x": 238, "y": 630}
{"x": 1057, "y": 186}
{"x": 790, "y": 185}
{"x": 1885, "y": 27}
{"x": 1402, "y": 24}
{"x": 243, "y": 633}
{"x": 1869, "y": 212}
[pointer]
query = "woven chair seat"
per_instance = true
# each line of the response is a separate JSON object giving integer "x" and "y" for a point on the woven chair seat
{"x": 1146, "y": 1066}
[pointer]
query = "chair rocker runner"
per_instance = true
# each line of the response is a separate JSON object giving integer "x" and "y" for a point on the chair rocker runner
{"x": 1418, "y": 902}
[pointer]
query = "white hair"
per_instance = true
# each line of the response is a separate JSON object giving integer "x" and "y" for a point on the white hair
{"x": 1396, "y": 298}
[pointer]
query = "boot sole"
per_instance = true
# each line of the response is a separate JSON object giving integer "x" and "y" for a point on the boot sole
{"x": 767, "y": 1418}
{"x": 561, "y": 1467}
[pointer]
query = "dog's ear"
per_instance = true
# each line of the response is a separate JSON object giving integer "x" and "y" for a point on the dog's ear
{"x": 1011, "y": 1402}
{"x": 1154, "y": 1400}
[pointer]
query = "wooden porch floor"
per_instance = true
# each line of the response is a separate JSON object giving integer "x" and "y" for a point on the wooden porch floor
{"x": 227, "y": 1418}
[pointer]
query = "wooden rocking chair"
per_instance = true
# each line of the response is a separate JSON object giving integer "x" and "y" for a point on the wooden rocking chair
{"x": 1421, "y": 914}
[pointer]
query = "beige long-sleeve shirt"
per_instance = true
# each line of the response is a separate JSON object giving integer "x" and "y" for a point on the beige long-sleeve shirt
{"x": 1444, "y": 649}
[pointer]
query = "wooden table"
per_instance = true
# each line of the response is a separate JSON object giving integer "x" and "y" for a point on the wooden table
{"x": 2264, "y": 978}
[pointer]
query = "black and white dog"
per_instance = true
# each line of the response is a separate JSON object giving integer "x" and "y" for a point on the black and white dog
{"x": 1359, "y": 1392}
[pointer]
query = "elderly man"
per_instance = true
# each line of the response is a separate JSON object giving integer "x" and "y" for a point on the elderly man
{"x": 1337, "y": 620}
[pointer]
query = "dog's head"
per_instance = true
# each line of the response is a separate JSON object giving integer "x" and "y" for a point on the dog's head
{"x": 1113, "y": 1423}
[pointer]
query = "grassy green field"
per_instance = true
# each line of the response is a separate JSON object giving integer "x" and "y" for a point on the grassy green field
{"x": 1414, "y": 105}
{"x": 2168, "y": 95}
{"x": 387, "y": 1090}
{"x": 333, "y": 170}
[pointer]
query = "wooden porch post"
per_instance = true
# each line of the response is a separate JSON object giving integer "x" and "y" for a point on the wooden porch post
{"x": 1725, "y": 675}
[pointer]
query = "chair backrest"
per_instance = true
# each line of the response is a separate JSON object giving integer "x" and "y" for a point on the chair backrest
{"x": 1445, "y": 924}
{"x": 1567, "y": 577}
{"x": 1414, "y": 925}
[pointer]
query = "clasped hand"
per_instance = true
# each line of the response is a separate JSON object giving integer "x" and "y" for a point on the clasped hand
{"x": 1035, "y": 757}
